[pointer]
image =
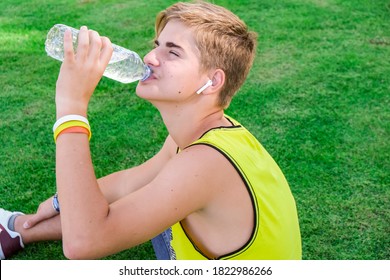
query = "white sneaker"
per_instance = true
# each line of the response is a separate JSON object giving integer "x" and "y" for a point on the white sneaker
{"x": 10, "y": 241}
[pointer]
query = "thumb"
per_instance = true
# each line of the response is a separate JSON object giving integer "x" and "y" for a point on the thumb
{"x": 32, "y": 221}
{"x": 45, "y": 211}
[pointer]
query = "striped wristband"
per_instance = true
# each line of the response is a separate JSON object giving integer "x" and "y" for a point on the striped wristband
{"x": 71, "y": 124}
{"x": 69, "y": 118}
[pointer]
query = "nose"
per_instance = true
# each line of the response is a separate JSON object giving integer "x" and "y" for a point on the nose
{"x": 151, "y": 58}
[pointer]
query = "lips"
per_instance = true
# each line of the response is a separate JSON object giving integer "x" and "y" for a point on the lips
{"x": 153, "y": 76}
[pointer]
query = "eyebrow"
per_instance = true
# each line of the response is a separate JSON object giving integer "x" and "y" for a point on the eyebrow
{"x": 169, "y": 45}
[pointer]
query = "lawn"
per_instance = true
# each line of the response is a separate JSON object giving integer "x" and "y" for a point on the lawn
{"x": 318, "y": 98}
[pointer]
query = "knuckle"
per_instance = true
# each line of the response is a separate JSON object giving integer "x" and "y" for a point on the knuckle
{"x": 82, "y": 44}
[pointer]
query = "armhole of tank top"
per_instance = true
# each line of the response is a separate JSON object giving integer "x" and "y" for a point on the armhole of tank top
{"x": 254, "y": 208}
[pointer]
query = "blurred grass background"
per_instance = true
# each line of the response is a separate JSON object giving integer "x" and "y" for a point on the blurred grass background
{"x": 317, "y": 98}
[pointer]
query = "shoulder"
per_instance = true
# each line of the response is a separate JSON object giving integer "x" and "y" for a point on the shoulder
{"x": 201, "y": 155}
{"x": 198, "y": 169}
{"x": 193, "y": 154}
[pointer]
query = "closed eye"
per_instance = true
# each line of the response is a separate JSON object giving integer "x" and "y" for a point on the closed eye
{"x": 174, "y": 53}
{"x": 172, "y": 48}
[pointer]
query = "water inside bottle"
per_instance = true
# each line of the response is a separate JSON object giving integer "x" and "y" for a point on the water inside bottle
{"x": 125, "y": 66}
{"x": 54, "y": 44}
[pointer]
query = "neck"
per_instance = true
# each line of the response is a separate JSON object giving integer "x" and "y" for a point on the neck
{"x": 186, "y": 124}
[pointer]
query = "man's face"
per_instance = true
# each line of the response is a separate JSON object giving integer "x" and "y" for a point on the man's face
{"x": 175, "y": 65}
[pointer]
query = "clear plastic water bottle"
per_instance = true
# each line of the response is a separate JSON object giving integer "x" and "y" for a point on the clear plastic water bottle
{"x": 125, "y": 66}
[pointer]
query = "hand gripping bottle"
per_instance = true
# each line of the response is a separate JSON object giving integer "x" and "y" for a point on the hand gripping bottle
{"x": 125, "y": 65}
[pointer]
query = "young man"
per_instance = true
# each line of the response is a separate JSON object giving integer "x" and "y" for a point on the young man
{"x": 211, "y": 192}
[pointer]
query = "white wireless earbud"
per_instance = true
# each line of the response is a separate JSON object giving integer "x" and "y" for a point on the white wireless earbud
{"x": 209, "y": 83}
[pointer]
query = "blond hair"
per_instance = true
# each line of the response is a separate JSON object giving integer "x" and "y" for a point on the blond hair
{"x": 222, "y": 38}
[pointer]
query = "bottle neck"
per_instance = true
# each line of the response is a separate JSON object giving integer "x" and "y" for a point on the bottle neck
{"x": 147, "y": 74}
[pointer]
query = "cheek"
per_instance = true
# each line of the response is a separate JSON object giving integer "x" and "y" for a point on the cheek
{"x": 178, "y": 88}
{"x": 182, "y": 82}
{"x": 174, "y": 82}
{"x": 167, "y": 74}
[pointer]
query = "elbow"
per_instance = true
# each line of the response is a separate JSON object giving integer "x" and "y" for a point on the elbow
{"x": 77, "y": 249}
{"x": 72, "y": 253}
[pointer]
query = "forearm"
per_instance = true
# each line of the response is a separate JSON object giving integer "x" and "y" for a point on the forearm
{"x": 83, "y": 206}
{"x": 119, "y": 184}
{"x": 122, "y": 183}
{"x": 47, "y": 229}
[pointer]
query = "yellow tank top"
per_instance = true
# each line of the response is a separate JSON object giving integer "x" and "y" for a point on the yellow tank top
{"x": 276, "y": 233}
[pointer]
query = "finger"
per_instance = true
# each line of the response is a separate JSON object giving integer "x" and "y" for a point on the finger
{"x": 43, "y": 213}
{"x": 106, "y": 51}
{"x": 68, "y": 45}
{"x": 37, "y": 218}
{"x": 95, "y": 44}
{"x": 83, "y": 43}
{"x": 32, "y": 221}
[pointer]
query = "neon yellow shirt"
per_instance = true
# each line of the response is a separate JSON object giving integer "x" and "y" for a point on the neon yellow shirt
{"x": 276, "y": 233}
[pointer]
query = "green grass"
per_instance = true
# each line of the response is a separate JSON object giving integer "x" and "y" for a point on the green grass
{"x": 317, "y": 98}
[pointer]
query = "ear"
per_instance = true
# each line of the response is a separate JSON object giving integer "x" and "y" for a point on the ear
{"x": 218, "y": 80}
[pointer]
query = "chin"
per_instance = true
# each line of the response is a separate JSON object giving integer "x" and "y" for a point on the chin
{"x": 141, "y": 90}
{"x": 147, "y": 93}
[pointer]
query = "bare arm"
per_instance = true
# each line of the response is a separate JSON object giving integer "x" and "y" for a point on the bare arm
{"x": 121, "y": 183}
{"x": 141, "y": 207}
{"x": 183, "y": 186}
{"x": 115, "y": 185}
